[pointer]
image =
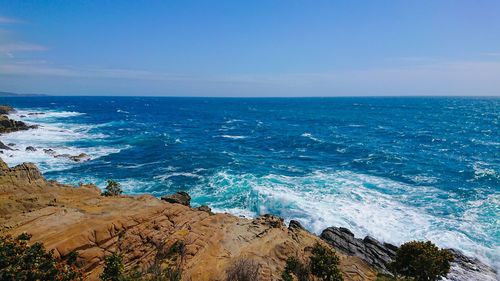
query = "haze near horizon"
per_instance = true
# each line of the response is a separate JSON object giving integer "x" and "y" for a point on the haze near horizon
{"x": 250, "y": 48}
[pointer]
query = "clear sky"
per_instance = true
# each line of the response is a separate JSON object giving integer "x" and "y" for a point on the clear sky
{"x": 250, "y": 48}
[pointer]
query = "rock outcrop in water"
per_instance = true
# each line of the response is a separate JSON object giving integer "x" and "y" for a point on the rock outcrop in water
{"x": 380, "y": 255}
{"x": 67, "y": 218}
{"x": 8, "y": 125}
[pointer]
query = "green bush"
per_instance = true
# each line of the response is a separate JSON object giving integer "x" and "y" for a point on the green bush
{"x": 112, "y": 189}
{"x": 324, "y": 264}
{"x": 295, "y": 267}
{"x": 422, "y": 261}
{"x": 21, "y": 261}
{"x": 113, "y": 268}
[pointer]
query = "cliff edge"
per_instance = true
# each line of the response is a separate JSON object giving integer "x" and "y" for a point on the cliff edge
{"x": 67, "y": 218}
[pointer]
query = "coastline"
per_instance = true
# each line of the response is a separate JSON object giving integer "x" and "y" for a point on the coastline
{"x": 354, "y": 246}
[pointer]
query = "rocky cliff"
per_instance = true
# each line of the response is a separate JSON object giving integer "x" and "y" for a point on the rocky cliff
{"x": 67, "y": 218}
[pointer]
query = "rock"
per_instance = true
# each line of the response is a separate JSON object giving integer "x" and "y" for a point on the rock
{"x": 464, "y": 268}
{"x": 82, "y": 157}
{"x": 36, "y": 113}
{"x": 49, "y": 152}
{"x": 295, "y": 225}
{"x": 30, "y": 148}
{"x": 142, "y": 228}
{"x": 204, "y": 208}
{"x": 6, "y": 109}
{"x": 8, "y": 125}
{"x": 369, "y": 249}
{"x": 3, "y": 146}
{"x": 181, "y": 197}
{"x": 62, "y": 156}
{"x": 11, "y": 144}
{"x": 379, "y": 255}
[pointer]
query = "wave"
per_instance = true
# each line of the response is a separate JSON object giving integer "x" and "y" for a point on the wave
{"x": 234, "y": 137}
{"x": 61, "y": 137}
{"x": 391, "y": 211}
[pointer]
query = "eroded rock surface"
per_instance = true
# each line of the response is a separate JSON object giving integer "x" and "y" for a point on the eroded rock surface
{"x": 65, "y": 218}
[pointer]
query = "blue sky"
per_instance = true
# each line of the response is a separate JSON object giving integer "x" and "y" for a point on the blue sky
{"x": 250, "y": 48}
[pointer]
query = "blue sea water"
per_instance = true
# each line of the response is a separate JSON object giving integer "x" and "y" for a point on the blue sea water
{"x": 397, "y": 169}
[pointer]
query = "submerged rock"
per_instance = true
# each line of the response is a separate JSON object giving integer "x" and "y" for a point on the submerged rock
{"x": 82, "y": 157}
{"x": 181, "y": 197}
{"x": 3, "y": 146}
{"x": 36, "y": 113}
{"x": 49, "y": 152}
{"x": 30, "y": 148}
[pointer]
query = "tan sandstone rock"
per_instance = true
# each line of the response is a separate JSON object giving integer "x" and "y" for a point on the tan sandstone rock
{"x": 67, "y": 218}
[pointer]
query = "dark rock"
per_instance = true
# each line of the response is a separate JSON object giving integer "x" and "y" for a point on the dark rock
{"x": 82, "y": 157}
{"x": 30, "y": 148}
{"x": 8, "y": 125}
{"x": 369, "y": 249}
{"x": 204, "y": 208}
{"x": 181, "y": 197}
{"x": 464, "y": 268}
{"x": 50, "y": 152}
{"x": 11, "y": 144}
{"x": 62, "y": 156}
{"x": 5, "y": 109}
{"x": 295, "y": 225}
{"x": 36, "y": 113}
{"x": 3, "y": 146}
{"x": 380, "y": 255}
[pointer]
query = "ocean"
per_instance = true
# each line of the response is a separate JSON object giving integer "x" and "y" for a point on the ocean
{"x": 398, "y": 169}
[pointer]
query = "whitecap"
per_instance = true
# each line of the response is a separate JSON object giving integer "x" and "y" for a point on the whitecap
{"x": 234, "y": 137}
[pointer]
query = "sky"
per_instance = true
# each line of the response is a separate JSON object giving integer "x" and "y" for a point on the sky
{"x": 251, "y": 48}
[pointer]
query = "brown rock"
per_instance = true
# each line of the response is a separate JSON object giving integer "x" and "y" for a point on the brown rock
{"x": 142, "y": 228}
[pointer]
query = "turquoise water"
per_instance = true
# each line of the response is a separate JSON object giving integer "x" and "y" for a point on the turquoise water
{"x": 398, "y": 169}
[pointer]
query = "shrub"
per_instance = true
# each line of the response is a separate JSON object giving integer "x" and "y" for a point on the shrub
{"x": 20, "y": 261}
{"x": 295, "y": 267}
{"x": 72, "y": 257}
{"x": 113, "y": 268}
{"x": 422, "y": 261}
{"x": 243, "y": 270}
{"x": 324, "y": 263}
{"x": 112, "y": 189}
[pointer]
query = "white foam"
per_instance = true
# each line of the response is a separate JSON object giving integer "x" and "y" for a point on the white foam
{"x": 390, "y": 211}
{"x": 61, "y": 137}
{"x": 234, "y": 137}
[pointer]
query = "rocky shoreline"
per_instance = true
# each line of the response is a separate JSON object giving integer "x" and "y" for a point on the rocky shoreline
{"x": 8, "y": 125}
{"x": 67, "y": 218}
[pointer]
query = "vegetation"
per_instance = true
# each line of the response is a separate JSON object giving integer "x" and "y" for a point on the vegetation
{"x": 21, "y": 261}
{"x": 422, "y": 261}
{"x": 166, "y": 267}
{"x": 113, "y": 268}
{"x": 112, "y": 189}
{"x": 323, "y": 264}
{"x": 243, "y": 270}
{"x": 295, "y": 267}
